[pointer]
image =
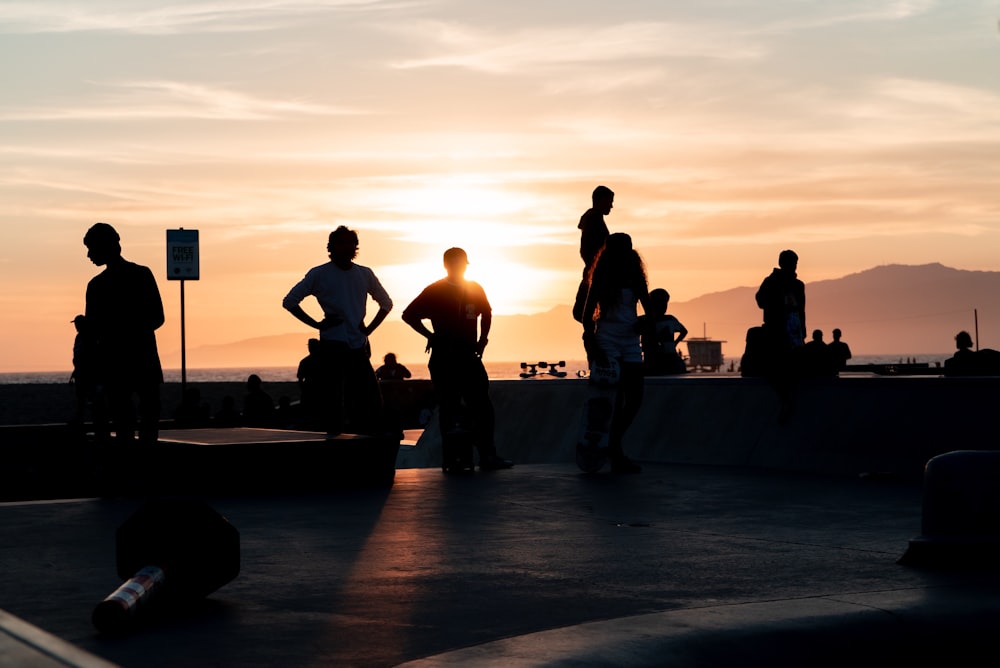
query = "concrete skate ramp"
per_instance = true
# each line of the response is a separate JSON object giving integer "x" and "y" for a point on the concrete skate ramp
{"x": 852, "y": 425}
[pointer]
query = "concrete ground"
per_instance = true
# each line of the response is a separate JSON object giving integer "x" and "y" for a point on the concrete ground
{"x": 539, "y": 565}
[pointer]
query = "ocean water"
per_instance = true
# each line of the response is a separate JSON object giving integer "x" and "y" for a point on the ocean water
{"x": 496, "y": 370}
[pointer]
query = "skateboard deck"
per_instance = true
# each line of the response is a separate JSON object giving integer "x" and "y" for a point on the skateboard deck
{"x": 592, "y": 447}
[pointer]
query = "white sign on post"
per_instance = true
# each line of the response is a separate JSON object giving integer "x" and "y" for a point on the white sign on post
{"x": 182, "y": 255}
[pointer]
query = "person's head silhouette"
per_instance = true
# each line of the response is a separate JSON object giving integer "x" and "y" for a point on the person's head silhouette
{"x": 603, "y": 199}
{"x": 103, "y": 243}
{"x": 343, "y": 246}
{"x": 658, "y": 301}
{"x": 963, "y": 340}
{"x": 788, "y": 260}
{"x": 455, "y": 262}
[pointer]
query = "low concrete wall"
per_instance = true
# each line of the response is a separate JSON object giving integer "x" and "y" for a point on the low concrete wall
{"x": 848, "y": 425}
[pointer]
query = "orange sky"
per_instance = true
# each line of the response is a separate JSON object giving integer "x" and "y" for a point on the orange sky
{"x": 859, "y": 133}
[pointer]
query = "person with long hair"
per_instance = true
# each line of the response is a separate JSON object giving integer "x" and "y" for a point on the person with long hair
{"x": 616, "y": 285}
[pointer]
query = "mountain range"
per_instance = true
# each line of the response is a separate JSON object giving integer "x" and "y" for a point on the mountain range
{"x": 888, "y": 310}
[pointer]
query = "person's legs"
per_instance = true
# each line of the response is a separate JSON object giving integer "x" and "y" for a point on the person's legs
{"x": 447, "y": 390}
{"x": 628, "y": 399}
{"x": 330, "y": 383}
{"x": 363, "y": 396}
{"x": 149, "y": 412}
{"x": 122, "y": 413}
{"x": 476, "y": 393}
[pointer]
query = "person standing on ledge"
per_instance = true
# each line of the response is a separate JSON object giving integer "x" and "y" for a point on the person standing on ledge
{"x": 782, "y": 298}
{"x": 123, "y": 312}
{"x": 593, "y": 234}
{"x": 347, "y": 380}
{"x": 455, "y": 307}
{"x": 617, "y": 284}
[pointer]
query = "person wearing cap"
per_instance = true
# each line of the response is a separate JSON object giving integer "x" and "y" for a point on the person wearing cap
{"x": 84, "y": 378}
{"x": 460, "y": 317}
{"x": 342, "y": 287}
{"x": 123, "y": 312}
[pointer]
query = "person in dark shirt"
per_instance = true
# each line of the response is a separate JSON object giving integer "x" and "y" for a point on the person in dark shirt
{"x": 817, "y": 362}
{"x": 782, "y": 297}
{"x": 460, "y": 317}
{"x": 593, "y": 235}
{"x": 258, "y": 407}
{"x": 840, "y": 352}
{"x": 593, "y": 229}
{"x": 123, "y": 312}
{"x": 392, "y": 369}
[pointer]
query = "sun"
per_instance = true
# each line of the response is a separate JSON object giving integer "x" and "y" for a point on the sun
{"x": 511, "y": 286}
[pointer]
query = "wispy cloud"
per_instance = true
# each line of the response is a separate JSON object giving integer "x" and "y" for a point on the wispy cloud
{"x": 459, "y": 45}
{"x": 155, "y": 18}
{"x": 824, "y": 14}
{"x": 143, "y": 100}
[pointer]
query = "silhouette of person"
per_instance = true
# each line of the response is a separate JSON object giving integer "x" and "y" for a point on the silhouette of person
{"x": 782, "y": 297}
{"x": 660, "y": 333}
{"x": 456, "y": 309}
{"x": 310, "y": 380}
{"x": 593, "y": 234}
{"x": 86, "y": 387}
{"x": 342, "y": 287}
{"x": 258, "y": 407}
{"x": 391, "y": 369}
{"x": 816, "y": 359}
{"x": 123, "y": 312}
{"x": 617, "y": 284}
{"x": 840, "y": 352}
{"x": 963, "y": 362}
{"x": 593, "y": 230}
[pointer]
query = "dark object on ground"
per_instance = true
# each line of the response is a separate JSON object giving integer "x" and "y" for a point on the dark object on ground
{"x": 172, "y": 552}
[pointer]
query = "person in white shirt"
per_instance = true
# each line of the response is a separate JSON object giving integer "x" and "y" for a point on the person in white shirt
{"x": 342, "y": 288}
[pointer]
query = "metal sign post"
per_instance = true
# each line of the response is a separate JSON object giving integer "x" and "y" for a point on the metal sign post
{"x": 182, "y": 265}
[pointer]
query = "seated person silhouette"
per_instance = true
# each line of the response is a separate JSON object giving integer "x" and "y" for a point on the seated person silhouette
{"x": 391, "y": 369}
{"x": 660, "y": 334}
{"x": 969, "y": 362}
{"x": 815, "y": 358}
{"x": 258, "y": 407}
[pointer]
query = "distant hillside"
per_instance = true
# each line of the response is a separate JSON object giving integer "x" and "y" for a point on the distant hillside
{"x": 549, "y": 336}
{"x": 893, "y": 310}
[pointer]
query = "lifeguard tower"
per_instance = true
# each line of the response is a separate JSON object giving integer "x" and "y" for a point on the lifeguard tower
{"x": 703, "y": 353}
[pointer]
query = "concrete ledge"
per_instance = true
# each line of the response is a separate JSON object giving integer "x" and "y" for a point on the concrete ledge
{"x": 862, "y": 630}
{"x": 27, "y": 646}
{"x": 845, "y": 426}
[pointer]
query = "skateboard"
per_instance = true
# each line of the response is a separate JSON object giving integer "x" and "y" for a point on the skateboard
{"x": 592, "y": 448}
{"x": 531, "y": 370}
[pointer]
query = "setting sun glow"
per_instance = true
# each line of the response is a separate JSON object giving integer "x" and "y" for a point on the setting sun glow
{"x": 860, "y": 133}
